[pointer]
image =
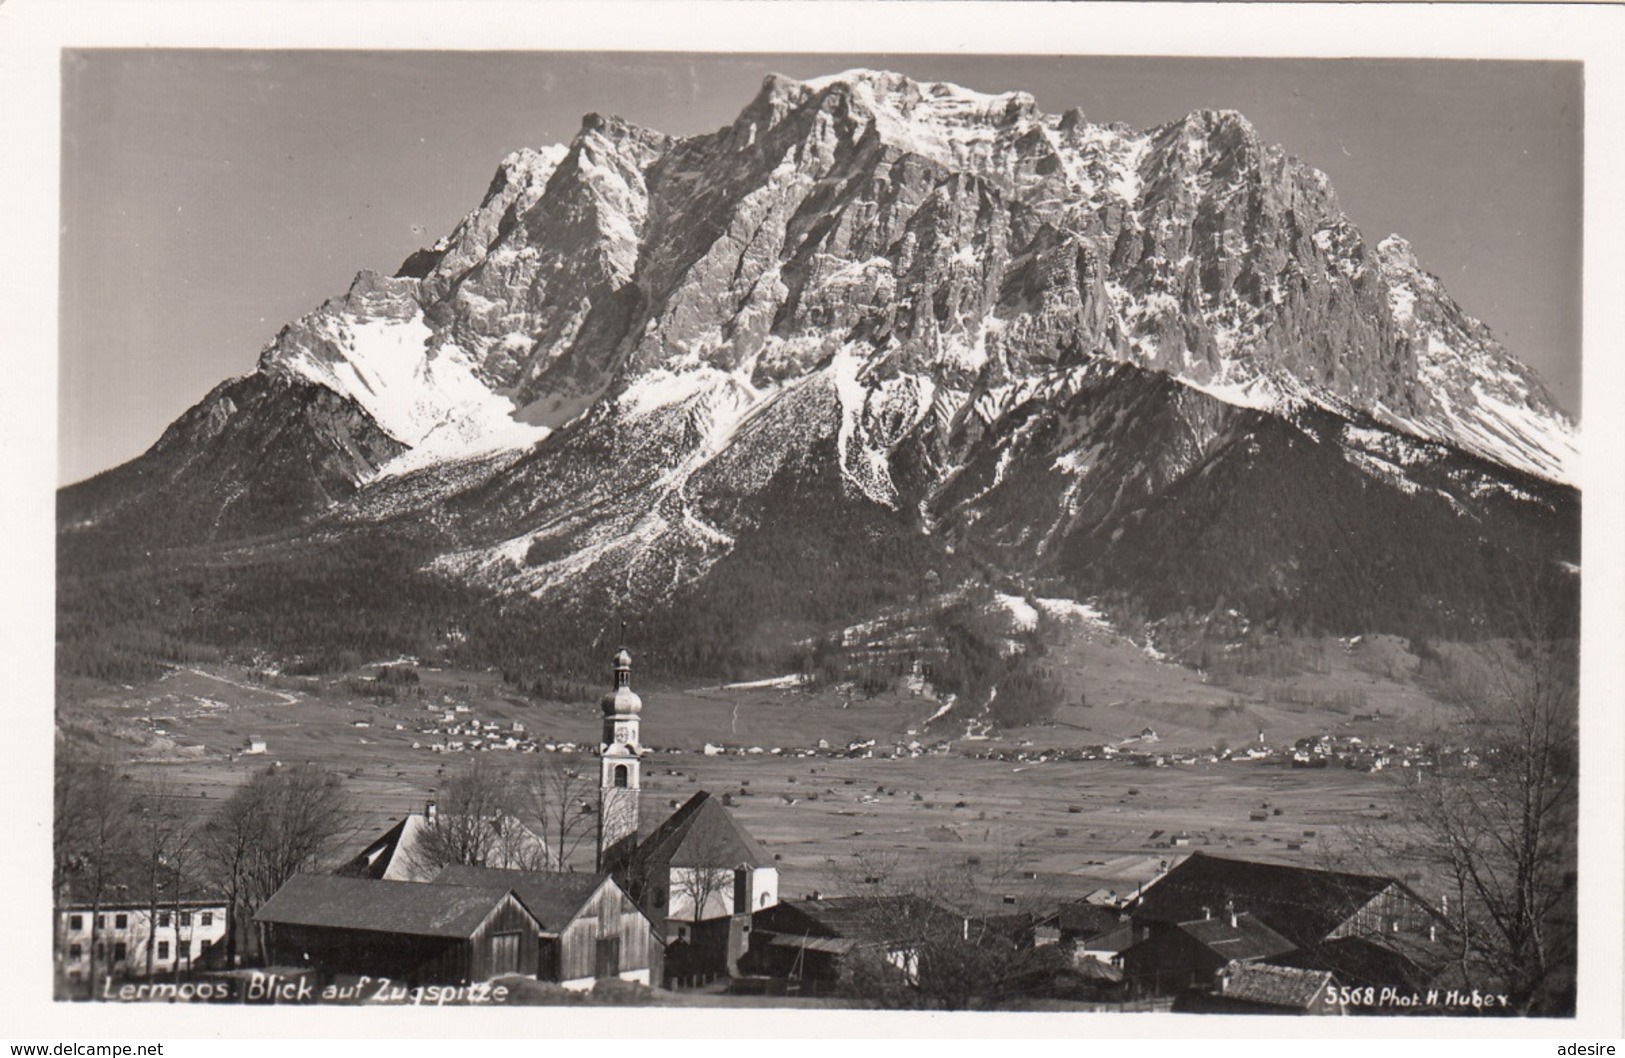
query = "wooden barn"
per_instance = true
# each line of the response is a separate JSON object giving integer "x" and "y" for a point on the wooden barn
{"x": 813, "y": 944}
{"x": 588, "y": 928}
{"x": 1185, "y": 956}
{"x": 412, "y": 933}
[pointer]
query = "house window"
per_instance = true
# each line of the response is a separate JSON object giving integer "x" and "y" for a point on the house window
{"x": 75, "y": 952}
{"x": 186, "y": 918}
{"x": 121, "y": 921}
{"x": 208, "y": 918}
{"x": 120, "y": 952}
{"x": 101, "y": 921}
{"x": 163, "y": 918}
{"x": 163, "y": 949}
{"x": 76, "y": 922}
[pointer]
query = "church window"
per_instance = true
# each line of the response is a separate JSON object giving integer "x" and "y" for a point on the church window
{"x": 620, "y": 775}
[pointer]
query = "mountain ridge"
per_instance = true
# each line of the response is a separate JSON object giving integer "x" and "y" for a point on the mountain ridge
{"x": 599, "y": 384}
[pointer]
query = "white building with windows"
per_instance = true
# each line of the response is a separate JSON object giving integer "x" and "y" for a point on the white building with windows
{"x": 182, "y": 936}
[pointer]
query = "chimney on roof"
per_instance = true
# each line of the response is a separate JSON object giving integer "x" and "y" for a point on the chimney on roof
{"x": 429, "y": 810}
{"x": 1433, "y": 933}
{"x": 1230, "y": 908}
{"x": 1207, "y": 913}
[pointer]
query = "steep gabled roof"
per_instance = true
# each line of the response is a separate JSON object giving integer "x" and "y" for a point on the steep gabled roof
{"x": 1361, "y": 961}
{"x": 386, "y": 853}
{"x": 1246, "y": 939}
{"x": 886, "y": 919}
{"x": 1300, "y": 903}
{"x": 379, "y": 906}
{"x": 700, "y": 834}
{"x": 1084, "y": 920}
{"x": 553, "y": 897}
{"x": 397, "y": 854}
{"x": 1273, "y": 986}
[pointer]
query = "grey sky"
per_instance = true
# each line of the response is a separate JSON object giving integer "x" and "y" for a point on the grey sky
{"x": 208, "y": 197}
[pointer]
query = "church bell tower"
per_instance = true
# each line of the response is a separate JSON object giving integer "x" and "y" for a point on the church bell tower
{"x": 619, "y": 781}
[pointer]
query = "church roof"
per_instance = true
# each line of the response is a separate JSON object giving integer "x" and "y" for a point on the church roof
{"x": 701, "y": 834}
{"x": 554, "y": 897}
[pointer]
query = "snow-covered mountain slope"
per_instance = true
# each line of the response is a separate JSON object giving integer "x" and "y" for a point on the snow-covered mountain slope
{"x": 911, "y": 316}
{"x": 965, "y": 235}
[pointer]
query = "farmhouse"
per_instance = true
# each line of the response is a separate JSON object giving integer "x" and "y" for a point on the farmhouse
{"x": 1304, "y": 905}
{"x": 815, "y": 944}
{"x": 1363, "y": 929}
{"x": 1186, "y": 956}
{"x": 413, "y": 933}
{"x": 182, "y": 935}
{"x": 589, "y": 928}
{"x": 405, "y": 852}
{"x": 1092, "y": 931}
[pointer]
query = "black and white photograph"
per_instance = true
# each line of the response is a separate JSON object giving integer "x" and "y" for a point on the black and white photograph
{"x": 741, "y": 528}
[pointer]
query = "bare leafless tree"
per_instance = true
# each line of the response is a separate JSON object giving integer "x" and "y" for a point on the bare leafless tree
{"x": 226, "y": 847}
{"x": 1494, "y": 823}
{"x": 558, "y": 794}
{"x": 282, "y": 821}
{"x": 163, "y": 840}
{"x": 90, "y": 829}
{"x": 476, "y": 822}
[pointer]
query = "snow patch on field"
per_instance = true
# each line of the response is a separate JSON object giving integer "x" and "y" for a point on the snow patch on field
{"x": 776, "y": 682}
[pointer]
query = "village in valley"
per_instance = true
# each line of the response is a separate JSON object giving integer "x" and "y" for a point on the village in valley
{"x": 888, "y": 862}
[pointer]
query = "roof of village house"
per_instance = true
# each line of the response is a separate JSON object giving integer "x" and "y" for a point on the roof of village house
{"x": 379, "y": 906}
{"x": 859, "y": 919}
{"x": 1247, "y": 939}
{"x": 553, "y": 897}
{"x": 397, "y": 854}
{"x": 1300, "y": 903}
{"x": 1083, "y": 919}
{"x": 1272, "y": 986}
{"x": 701, "y": 834}
{"x": 1399, "y": 961}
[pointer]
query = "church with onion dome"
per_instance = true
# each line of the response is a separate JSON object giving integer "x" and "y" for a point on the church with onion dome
{"x": 698, "y": 875}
